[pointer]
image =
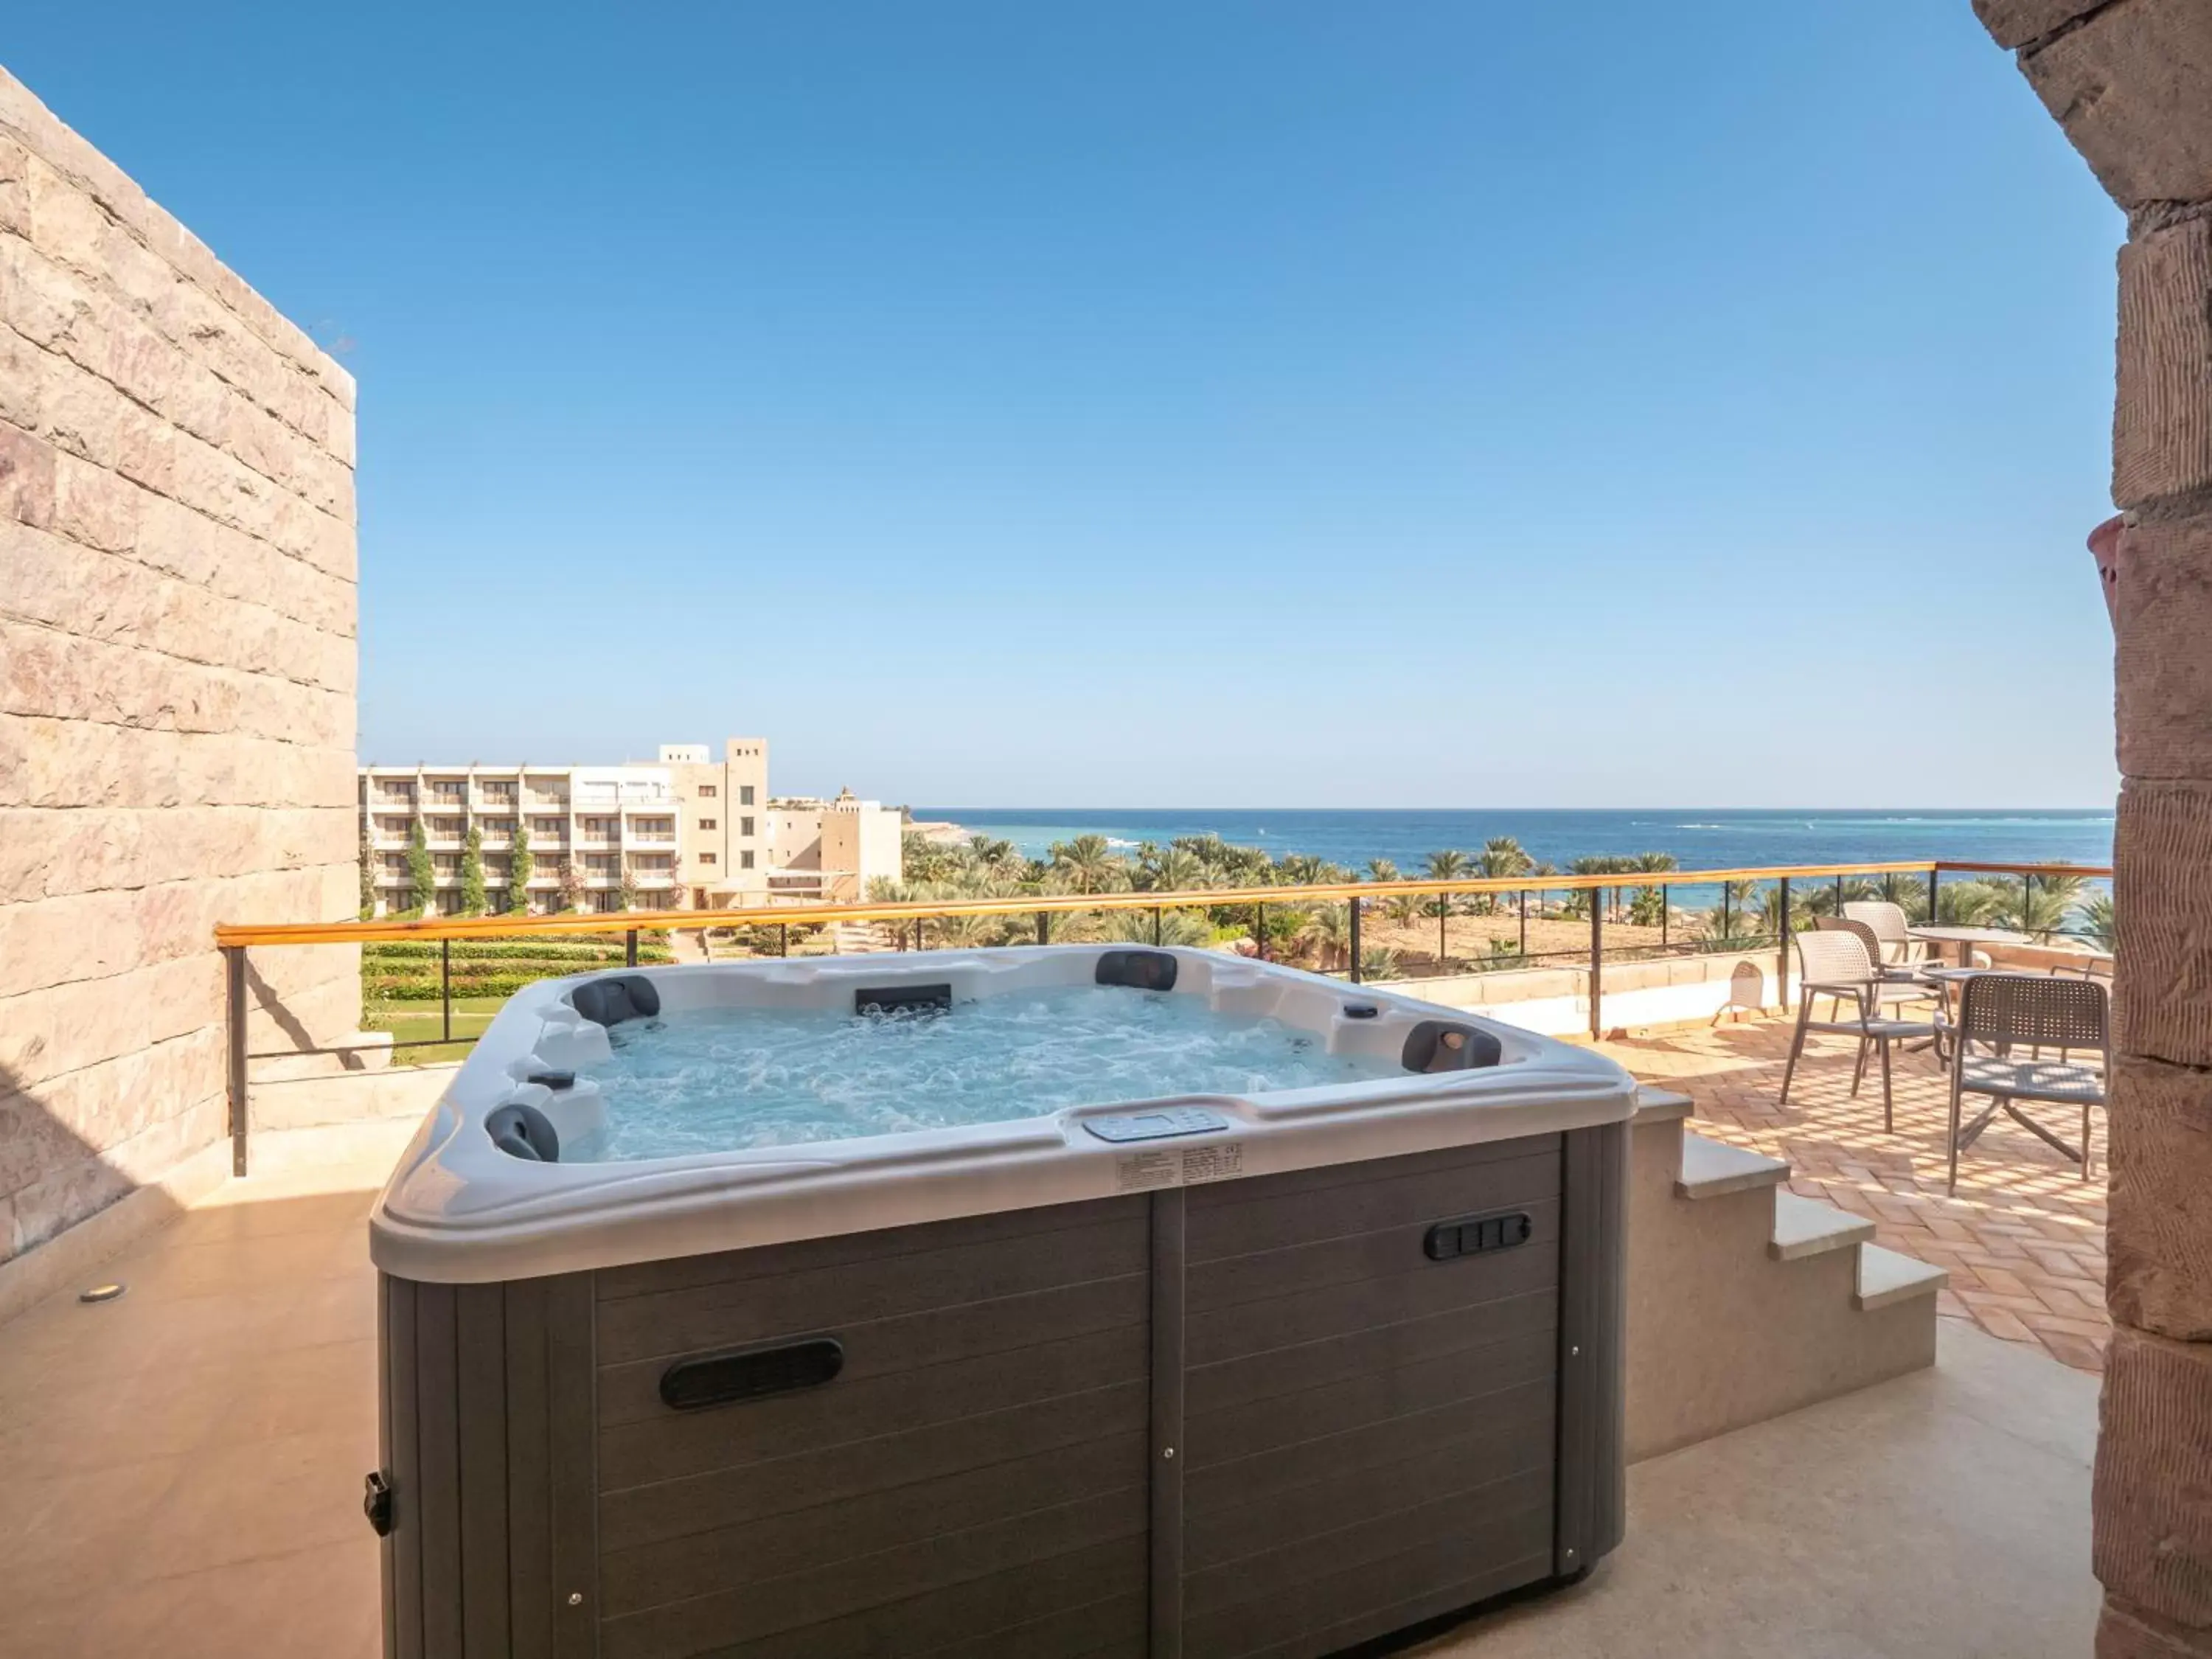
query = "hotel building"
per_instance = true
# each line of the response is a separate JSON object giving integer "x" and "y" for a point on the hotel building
{"x": 688, "y": 830}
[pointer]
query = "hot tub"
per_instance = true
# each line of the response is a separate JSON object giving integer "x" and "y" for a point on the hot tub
{"x": 1065, "y": 1301}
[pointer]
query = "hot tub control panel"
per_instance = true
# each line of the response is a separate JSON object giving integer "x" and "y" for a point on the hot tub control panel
{"x": 1169, "y": 1121}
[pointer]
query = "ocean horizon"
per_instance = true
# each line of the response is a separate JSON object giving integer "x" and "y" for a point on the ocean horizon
{"x": 1709, "y": 838}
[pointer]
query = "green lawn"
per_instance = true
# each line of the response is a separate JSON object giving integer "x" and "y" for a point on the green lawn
{"x": 414, "y": 1022}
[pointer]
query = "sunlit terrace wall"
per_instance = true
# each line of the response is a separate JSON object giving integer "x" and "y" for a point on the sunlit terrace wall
{"x": 177, "y": 668}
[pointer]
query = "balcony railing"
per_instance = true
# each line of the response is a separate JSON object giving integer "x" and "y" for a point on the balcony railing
{"x": 235, "y": 939}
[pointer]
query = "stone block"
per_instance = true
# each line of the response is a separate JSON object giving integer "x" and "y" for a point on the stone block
{"x": 49, "y": 1033}
{"x": 22, "y": 379}
{"x": 2014, "y": 23}
{"x": 53, "y": 307}
{"x": 2127, "y": 88}
{"x": 55, "y": 941}
{"x": 80, "y": 414}
{"x": 94, "y": 507}
{"x": 2162, "y": 868}
{"x": 2152, "y": 1500}
{"x": 2162, "y": 414}
{"x": 2162, "y": 618}
{"x": 2158, "y": 1233}
{"x": 27, "y": 487}
{"x": 67, "y": 225}
{"x": 2127, "y": 1631}
{"x": 14, "y": 190}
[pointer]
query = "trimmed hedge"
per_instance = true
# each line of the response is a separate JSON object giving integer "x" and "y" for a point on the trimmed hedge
{"x": 427, "y": 990}
{"x": 469, "y": 950}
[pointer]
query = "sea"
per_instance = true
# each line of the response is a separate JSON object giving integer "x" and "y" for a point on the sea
{"x": 1700, "y": 838}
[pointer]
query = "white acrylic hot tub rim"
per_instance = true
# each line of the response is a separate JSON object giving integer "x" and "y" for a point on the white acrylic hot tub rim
{"x": 458, "y": 1210}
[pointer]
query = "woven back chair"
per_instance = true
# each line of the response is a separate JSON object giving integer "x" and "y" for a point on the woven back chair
{"x": 1834, "y": 956}
{"x": 2034, "y": 1011}
{"x": 2004, "y": 1013}
{"x": 1836, "y": 962}
{"x": 1897, "y": 984}
{"x": 1888, "y": 920}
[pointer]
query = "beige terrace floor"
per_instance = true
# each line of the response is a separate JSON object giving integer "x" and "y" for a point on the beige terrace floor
{"x": 182, "y": 1472}
{"x": 2024, "y": 1239}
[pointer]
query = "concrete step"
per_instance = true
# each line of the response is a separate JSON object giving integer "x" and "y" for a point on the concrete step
{"x": 1655, "y": 1105}
{"x": 1887, "y": 1278}
{"x": 1806, "y": 1226}
{"x": 1711, "y": 1168}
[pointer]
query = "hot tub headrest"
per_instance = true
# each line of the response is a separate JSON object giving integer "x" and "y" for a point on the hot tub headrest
{"x": 612, "y": 1000}
{"x": 1436, "y": 1046}
{"x": 524, "y": 1131}
{"x": 1144, "y": 970}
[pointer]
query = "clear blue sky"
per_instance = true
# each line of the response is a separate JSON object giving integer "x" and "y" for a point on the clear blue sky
{"x": 1277, "y": 404}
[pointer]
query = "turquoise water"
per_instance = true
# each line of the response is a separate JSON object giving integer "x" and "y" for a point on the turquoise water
{"x": 723, "y": 1080}
{"x": 1709, "y": 838}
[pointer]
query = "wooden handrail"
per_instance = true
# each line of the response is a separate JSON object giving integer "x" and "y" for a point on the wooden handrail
{"x": 229, "y": 934}
{"x": 2088, "y": 871}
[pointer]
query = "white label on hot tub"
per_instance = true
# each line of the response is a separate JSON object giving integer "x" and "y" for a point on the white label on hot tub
{"x": 1220, "y": 1161}
{"x": 1178, "y": 1166}
{"x": 1140, "y": 1172}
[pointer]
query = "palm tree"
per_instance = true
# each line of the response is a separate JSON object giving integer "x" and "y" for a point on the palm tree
{"x": 1179, "y": 872}
{"x": 1327, "y": 933}
{"x": 1088, "y": 862}
{"x": 1302, "y": 869}
{"x": 1378, "y": 961}
{"x": 1176, "y": 927}
{"x": 1382, "y": 870}
{"x": 2097, "y": 919}
{"x": 2035, "y": 906}
{"x": 1503, "y": 857}
{"x": 1447, "y": 866}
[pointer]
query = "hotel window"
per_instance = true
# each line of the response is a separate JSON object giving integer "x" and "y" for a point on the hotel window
{"x": 705, "y": 857}
{"x": 745, "y": 861}
{"x": 546, "y": 827}
{"x": 707, "y": 823}
{"x": 446, "y": 863}
{"x": 446, "y": 828}
{"x": 707, "y": 792}
{"x": 499, "y": 794}
{"x": 745, "y": 794}
{"x": 745, "y": 826}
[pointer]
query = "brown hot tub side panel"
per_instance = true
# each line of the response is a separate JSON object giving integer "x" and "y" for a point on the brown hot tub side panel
{"x": 1368, "y": 1433}
{"x": 1364, "y": 1436}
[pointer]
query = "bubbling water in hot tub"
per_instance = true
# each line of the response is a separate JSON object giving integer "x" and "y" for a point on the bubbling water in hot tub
{"x": 721, "y": 1080}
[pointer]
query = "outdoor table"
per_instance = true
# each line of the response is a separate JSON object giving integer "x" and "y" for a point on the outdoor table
{"x": 1966, "y": 939}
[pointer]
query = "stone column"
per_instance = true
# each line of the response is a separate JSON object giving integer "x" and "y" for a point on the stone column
{"x": 2130, "y": 81}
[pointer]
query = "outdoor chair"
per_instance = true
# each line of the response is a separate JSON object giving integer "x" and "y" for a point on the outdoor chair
{"x": 1898, "y": 954}
{"x": 1834, "y": 963}
{"x": 2000, "y": 1012}
{"x": 1894, "y": 987}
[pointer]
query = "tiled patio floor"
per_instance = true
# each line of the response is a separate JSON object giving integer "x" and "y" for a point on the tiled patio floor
{"x": 2024, "y": 1239}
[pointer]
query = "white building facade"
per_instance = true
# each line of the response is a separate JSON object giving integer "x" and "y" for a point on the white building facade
{"x": 687, "y": 830}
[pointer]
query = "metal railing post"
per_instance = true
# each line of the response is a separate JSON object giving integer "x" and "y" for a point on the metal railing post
{"x": 1725, "y": 934}
{"x": 1666, "y": 916}
{"x": 233, "y": 977}
{"x": 1443, "y": 912}
{"x": 1260, "y": 929}
{"x": 1044, "y": 927}
{"x": 1597, "y": 964}
{"x": 1839, "y": 893}
{"x": 630, "y": 947}
{"x": 1782, "y": 948}
{"x": 2027, "y": 899}
{"x": 783, "y": 938}
{"x": 445, "y": 989}
{"x": 1354, "y": 904}
{"x": 1156, "y": 924}
{"x": 1524, "y": 924}
{"x": 1933, "y": 876}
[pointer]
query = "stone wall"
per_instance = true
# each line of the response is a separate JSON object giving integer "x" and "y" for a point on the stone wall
{"x": 2131, "y": 82}
{"x": 177, "y": 668}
